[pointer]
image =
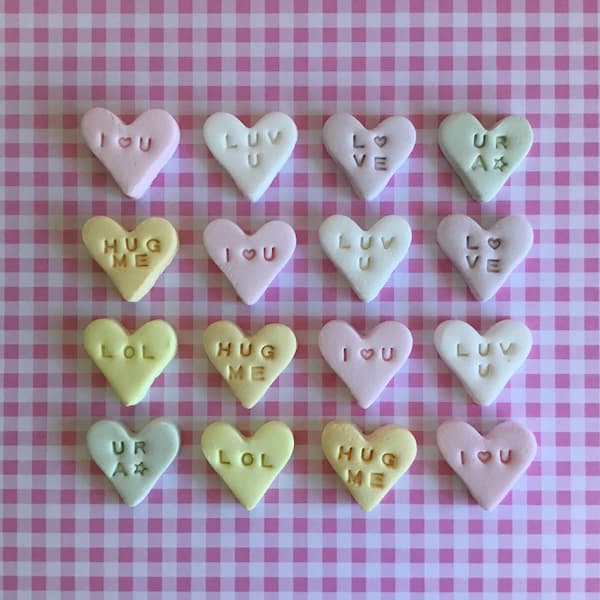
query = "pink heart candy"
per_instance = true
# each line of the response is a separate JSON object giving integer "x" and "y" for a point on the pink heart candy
{"x": 250, "y": 262}
{"x": 489, "y": 465}
{"x": 365, "y": 364}
{"x": 485, "y": 258}
{"x": 368, "y": 157}
{"x": 135, "y": 153}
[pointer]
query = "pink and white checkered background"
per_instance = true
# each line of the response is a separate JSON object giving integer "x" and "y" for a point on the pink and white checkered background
{"x": 65, "y": 533}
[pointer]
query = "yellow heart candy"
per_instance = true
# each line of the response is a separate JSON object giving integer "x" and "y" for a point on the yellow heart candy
{"x": 369, "y": 465}
{"x": 130, "y": 362}
{"x": 133, "y": 260}
{"x": 249, "y": 365}
{"x": 248, "y": 465}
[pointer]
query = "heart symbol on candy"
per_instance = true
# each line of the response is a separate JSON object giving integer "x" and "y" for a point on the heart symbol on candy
{"x": 365, "y": 370}
{"x": 249, "y": 365}
{"x": 358, "y": 151}
{"x": 130, "y": 361}
{"x": 248, "y": 465}
{"x": 485, "y": 266}
{"x": 133, "y": 154}
{"x": 252, "y": 156}
{"x": 133, "y": 462}
{"x": 250, "y": 271}
{"x": 366, "y": 258}
{"x": 491, "y": 473}
{"x": 369, "y": 465}
{"x": 483, "y": 363}
{"x": 484, "y": 159}
{"x": 133, "y": 260}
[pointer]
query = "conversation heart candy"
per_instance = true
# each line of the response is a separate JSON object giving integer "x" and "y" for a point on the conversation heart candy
{"x": 133, "y": 462}
{"x": 368, "y": 157}
{"x": 484, "y": 159}
{"x": 366, "y": 258}
{"x": 483, "y": 363}
{"x": 249, "y": 365}
{"x": 369, "y": 465}
{"x": 250, "y": 262}
{"x": 248, "y": 465}
{"x": 365, "y": 364}
{"x": 489, "y": 465}
{"x": 130, "y": 361}
{"x": 253, "y": 156}
{"x": 133, "y": 260}
{"x": 133, "y": 154}
{"x": 485, "y": 257}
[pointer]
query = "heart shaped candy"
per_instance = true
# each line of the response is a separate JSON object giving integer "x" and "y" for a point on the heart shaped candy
{"x": 368, "y": 157}
{"x": 366, "y": 258}
{"x": 483, "y": 363}
{"x": 368, "y": 465}
{"x": 250, "y": 262}
{"x": 485, "y": 258}
{"x": 248, "y": 465}
{"x": 249, "y": 365}
{"x": 483, "y": 159}
{"x": 252, "y": 156}
{"x": 365, "y": 365}
{"x": 132, "y": 260}
{"x": 133, "y": 462}
{"x": 133, "y": 154}
{"x": 130, "y": 362}
{"x": 489, "y": 465}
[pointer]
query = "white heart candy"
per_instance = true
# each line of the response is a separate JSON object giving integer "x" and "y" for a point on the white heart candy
{"x": 133, "y": 462}
{"x": 366, "y": 258}
{"x": 252, "y": 156}
{"x": 483, "y": 363}
{"x": 484, "y": 159}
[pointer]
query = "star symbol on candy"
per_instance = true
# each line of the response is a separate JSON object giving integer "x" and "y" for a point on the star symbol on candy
{"x": 500, "y": 164}
{"x": 140, "y": 468}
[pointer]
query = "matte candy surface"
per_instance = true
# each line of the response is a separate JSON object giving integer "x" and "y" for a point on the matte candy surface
{"x": 133, "y": 260}
{"x": 250, "y": 262}
{"x": 369, "y": 465}
{"x": 483, "y": 363}
{"x": 489, "y": 465}
{"x": 133, "y": 154}
{"x": 130, "y": 361}
{"x": 133, "y": 462}
{"x": 248, "y": 465}
{"x": 485, "y": 257}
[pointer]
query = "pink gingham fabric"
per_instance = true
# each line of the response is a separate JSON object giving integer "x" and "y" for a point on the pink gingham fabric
{"x": 65, "y": 533}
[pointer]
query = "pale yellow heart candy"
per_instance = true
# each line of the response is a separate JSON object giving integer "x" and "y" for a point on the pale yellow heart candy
{"x": 249, "y": 365}
{"x": 369, "y": 465}
{"x": 133, "y": 260}
{"x": 248, "y": 465}
{"x": 130, "y": 362}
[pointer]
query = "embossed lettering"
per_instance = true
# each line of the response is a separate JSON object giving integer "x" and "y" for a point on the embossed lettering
{"x": 479, "y": 163}
{"x": 493, "y": 265}
{"x": 139, "y": 445}
{"x": 380, "y": 163}
{"x": 469, "y": 247}
{"x": 119, "y": 450}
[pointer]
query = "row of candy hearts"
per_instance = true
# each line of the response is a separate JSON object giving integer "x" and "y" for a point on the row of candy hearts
{"x": 251, "y": 364}
{"x": 369, "y": 465}
{"x": 134, "y": 260}
{"x": 134, "y": 154}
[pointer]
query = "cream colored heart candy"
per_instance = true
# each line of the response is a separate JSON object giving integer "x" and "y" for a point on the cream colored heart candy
{"x": 248, "y": 465}
{"x": 130, "y": 361}
{"x": 249, "y": 365}
{"x": 133, "y": 462}
{"x": 369, "y": 465}
{"x": 133, "y": 260}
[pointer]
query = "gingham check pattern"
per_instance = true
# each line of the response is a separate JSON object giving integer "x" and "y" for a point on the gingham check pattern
{"x": 65, "y": 534}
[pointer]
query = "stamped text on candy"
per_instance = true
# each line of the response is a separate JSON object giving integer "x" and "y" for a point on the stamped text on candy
{"x": 492, "y": 265}
{"x": 246, "y": 350}
{"x": 360, "y": 156}
{"x": 128, "y": 252}
{"x": 138, "y": 447}
{"x": 253, "y": 140}
{"x": 364, "y": 261}
{"x": 372, "y": 478}
{"x": 484, "y": 350}
{"x": 491, "y": 149}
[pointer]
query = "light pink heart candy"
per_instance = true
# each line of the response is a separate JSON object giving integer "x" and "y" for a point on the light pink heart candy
{"x": 133, "y": 154}
{"x": 250, "y": 262}
{"x": 365, "y": 364}
{"x": 489, "y": 465}
{"x": 485, "y": 258}
{"x": 368, "y": 157}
